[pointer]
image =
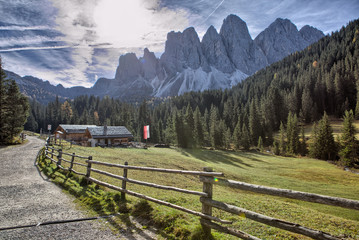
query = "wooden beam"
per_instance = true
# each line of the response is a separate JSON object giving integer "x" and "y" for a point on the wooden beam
{"x": 158, "y": 169}
{"x": 78, "y": 173}
{"x": 199, "y": 214}
{"x": 206, "y": 208}
{"x": 69, "y": 154}
{"x": 149, "y": 184}
{"x": 309, "y": 197}
{"x": 80, "y": 164}
{"x": 292, "y": 227}
{"x": 230, "y": 231}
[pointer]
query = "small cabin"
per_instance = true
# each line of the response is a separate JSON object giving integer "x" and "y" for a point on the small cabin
{"x": 108, "y": 135}
{"x": 75, "y": 133}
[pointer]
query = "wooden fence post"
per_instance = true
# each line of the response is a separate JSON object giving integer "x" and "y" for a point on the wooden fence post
{"x": 59, "y": 157}
{"x": 88, "y": 169}
{"x": 72, "y": 161}
{"x": 123, "y": 195}
{"x": 207, "y": 209}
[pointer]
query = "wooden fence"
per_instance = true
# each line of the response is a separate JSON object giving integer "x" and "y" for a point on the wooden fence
{"x": 208, "y": 179}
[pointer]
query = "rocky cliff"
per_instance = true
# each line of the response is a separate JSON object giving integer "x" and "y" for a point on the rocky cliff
{"x": 221, "y": 60}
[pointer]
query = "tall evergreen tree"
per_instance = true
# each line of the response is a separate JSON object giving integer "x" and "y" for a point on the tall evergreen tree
{"x": 282, "y": 143}
{"x": 293, "y": 143}
{"x": 348, "y": 142}
{"x": 237, "y": 134}
{"x": 254, "y": 123}
{"x": 189, "y": 127}
{"x": 198, "y": 128}
{"x": 245, "y": 140}
{"x": 3, "y": 108}
{"x": 14, "y": 109}
{"x": 323, "y": 146}
{"x": 307, "y": 106}
{"x": 18, "y": 110}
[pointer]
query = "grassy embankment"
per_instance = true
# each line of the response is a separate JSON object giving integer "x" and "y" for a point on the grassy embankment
{"x": 302, "y": 174}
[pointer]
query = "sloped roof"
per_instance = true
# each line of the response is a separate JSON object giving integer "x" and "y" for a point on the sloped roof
{"x": 112, "y": 132}
{"x": 75, "y": 128}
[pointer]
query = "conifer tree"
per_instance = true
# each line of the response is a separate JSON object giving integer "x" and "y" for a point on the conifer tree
{"x": 254, "y": 123}
{"x": 18, "y": 109}
{"x": 198, "y": 128}
{"x": 14, "y": 109}
{"x": 307, "y": 106}
{"x": 227, "y": 138}
{"x": 237, "y": 135}
{"x": 303, "y": 144}
{"x": 276, "y": 149}
{"x": 3, "y": 108}
{"x": 323, "y": 146}
{"x": 245, "y": 140}
{"x": 260, "y": 144}
{"x": 348, "y": 142}
{"x": 189, "y": 127}
{"x": 282, "y": 144}
{"x": 292, "y": 134}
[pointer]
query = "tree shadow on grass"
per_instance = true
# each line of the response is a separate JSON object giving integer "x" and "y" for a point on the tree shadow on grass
{"x": 216, "y": 156}
{"x": 250, "y": 155}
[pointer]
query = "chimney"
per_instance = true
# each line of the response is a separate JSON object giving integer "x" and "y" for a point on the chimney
{"x": 105, "y": 129}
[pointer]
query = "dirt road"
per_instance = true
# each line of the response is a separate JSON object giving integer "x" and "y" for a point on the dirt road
{"x": 27, "y": 197}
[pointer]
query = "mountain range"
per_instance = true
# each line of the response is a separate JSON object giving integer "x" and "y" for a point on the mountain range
{"x": 221, "y": 60}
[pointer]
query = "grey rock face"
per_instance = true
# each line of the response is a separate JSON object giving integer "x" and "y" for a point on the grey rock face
{"x": 243, "y": 52}
{"x": 129, "y": 68}
{"x": 150, "y": 64}
{"x": 282, "y": 38}
{"x": 214, "y": 50}
{"x": 311, "y": 34}
{"x": 183, "y": 50}
{"x": 220, "y": 61}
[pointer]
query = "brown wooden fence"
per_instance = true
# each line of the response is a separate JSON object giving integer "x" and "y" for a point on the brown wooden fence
{"x": 208, "y": 179}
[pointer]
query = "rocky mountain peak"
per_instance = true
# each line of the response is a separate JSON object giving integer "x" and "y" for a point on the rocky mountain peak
{"x": 311, "y": 34}
{"x": 150, "y": 64}
{"x": 280, "y": 39}
{"x": 215, "y": 52}
{"x": 283, "y": 26}
{"x": 242, "y": 51}
{"x": 129, "y": 68}
{"x": 183, "y": 50}
{"x": 234, "y": 25}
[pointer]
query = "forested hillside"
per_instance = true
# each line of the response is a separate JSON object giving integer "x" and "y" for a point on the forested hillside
{"x": 322, "y": 78}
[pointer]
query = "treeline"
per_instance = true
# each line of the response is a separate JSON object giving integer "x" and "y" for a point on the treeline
{"x": 13, "y": 109}
{"x": 284, "y": 96}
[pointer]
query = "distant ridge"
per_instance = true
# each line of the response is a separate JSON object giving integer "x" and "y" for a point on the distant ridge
{"x": 220, "y": 61}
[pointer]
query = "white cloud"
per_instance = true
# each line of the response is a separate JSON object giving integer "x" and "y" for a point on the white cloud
{"x": 92, "y": 34}
{"x": 136, "y": 23}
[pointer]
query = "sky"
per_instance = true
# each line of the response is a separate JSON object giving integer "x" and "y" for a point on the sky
{"x": 75, "y": 42}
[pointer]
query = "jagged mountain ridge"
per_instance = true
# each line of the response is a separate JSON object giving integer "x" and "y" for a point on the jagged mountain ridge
{"x": 221, "y": 60}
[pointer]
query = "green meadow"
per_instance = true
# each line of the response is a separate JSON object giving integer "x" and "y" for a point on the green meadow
{"x": 301, "y": 174}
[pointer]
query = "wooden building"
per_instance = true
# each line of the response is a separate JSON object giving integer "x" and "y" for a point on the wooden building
{"x": 108, "y": 135}
{"x": 75, "y": 133}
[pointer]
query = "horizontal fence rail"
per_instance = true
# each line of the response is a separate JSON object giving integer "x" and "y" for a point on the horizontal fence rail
{"x": 309, "y": 197}
{"x": 198, "y": 173}
{"x": 208, "y": 178}
{"x": 228, "y": 230}
{"x": 148, "y": 184}
{"x": 199, "y": 214}
{"x": 292, "y": 227}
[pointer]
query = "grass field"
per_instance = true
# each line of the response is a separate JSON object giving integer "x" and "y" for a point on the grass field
{"x": 302, "y": 174}
{"x": 337, "y": 126}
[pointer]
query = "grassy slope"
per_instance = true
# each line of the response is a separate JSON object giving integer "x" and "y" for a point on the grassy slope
{"x": 302, "y": 174}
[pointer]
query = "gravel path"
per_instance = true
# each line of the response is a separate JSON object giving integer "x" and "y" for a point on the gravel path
{"x": 27, "y": 197}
